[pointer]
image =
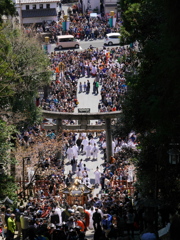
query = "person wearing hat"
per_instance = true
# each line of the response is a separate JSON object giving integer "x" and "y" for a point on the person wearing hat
{"x": 24, "y": 220}
{"x": 97, "y": 174}
{"x": 11, "y": 227}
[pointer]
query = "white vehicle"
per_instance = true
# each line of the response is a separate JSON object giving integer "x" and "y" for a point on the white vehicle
{"x": 67, "y": 41}
{"x": 112, "y": 38}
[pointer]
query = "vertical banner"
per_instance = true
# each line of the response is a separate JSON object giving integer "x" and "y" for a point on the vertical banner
{"x": 114, "y": 22}
{"x": 67, "y": 25}
{"x": 64, "y": 26}
{"x": 44, "y": 47}
{"x": 111, "y": 22}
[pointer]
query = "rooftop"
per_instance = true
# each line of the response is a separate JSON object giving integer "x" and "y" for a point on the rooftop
{"x": 34, "y": 1}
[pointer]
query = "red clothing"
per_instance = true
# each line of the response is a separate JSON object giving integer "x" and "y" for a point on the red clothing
{"x": 87, "y": 218}
{"x": 81, "y": 225}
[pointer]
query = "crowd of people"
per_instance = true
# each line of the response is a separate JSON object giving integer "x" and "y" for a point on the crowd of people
{"x": 111, "y": 214}
{"x": 106, "y": 66}
{"x": 81, "y": 25}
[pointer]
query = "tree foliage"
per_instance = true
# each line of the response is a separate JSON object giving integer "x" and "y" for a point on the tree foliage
{"x": 5, "y": 143}
{"x": 6, "y": 181}
{"x": 152, "y": 107}
{"x": 24, "y": 70}
{"x": 7, "y": 8}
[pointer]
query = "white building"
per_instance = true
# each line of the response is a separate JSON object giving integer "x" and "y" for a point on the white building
{"x": 110, "y": 5}
{"x": 36, "y": 11}
{"x": 105, "y": 6}
{"x": 91, "y": 5}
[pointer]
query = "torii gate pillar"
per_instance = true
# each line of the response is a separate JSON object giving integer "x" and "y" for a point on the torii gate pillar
{"x": 108, "y": 139}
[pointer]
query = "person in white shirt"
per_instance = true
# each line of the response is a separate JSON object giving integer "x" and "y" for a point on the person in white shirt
{"x": 69, "y": 153}
{"x": 92, "y": 141}
{"x": 97, "y": 174}
{"x": 84, "y": 168}
{"x": 117, "y": 149}
{"x": 80, "y": 164}
{"x": 79, "y": 173}
{"x": 84, "y": 143}
{"x": 86, "y": 181}
{"x": 95, "y": 151}
{"x": 88, "y": 150}
{"x": 104, "y": 145}
{"x": 75, "y": 151}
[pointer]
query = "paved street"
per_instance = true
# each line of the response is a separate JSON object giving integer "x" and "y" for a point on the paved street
{"x": 83, "y": 45}
{"x": 88, "y": 101}
{"x": 99, "y": 43}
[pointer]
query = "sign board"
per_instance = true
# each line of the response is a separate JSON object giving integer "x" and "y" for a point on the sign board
{"x": 83, "y": 110}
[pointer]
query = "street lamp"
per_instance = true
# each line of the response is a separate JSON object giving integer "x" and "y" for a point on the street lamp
{"x": 174, "y": 155}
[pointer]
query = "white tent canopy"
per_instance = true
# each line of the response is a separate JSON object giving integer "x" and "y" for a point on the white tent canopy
{"x": 94, "y": 15}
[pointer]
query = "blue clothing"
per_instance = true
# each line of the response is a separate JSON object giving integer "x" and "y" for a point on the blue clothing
{"x": 106, "y": 223}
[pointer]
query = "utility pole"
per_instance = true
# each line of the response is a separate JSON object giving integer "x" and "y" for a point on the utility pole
{"x": 20, "y": 14}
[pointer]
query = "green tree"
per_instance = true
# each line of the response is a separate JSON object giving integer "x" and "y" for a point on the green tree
{"x": 6, "y": 181}
{"x": 24, "y": 70}
{"x": 152, "y": 105}
{"x": 7, "y": 8}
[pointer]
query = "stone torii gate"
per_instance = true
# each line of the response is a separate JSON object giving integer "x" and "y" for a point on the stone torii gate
{"x": 83, "y": 119}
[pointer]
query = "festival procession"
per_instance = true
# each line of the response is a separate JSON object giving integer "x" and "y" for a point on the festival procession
{"x": 84, "y": 183}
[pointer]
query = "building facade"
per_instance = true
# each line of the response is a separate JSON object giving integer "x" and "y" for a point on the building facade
{"x": 36, "y": 11}
{"x": 110, "y": 5}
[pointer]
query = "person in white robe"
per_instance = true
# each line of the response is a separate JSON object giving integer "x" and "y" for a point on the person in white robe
{"x": 94, "y": 70}
{"x": 86, "y": 181}
{"x": 130, "y": 174}
{"x": 83, "y": 135}
{"x": 80, "y": 164}
{"x": 97, "y": 174}
{"x": 104, "y": 145}
{"x": 117, "y": 149}
{"x": 79, "y": 173}
{"x": 91, "y": 211}
{"x": 30, "y": 174}
{"x": 84, "y": 143}
{"x": 92, "y": 141}
{"x": 84, "y": 174}
{"x": 69, "y": 153}
{"x": 88, "y": 150}
{"x": 84, "y": 168}
{"x": 75, "y": 151}
{"x": 59, "y": 212}
{"x": 95, "y": 151}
